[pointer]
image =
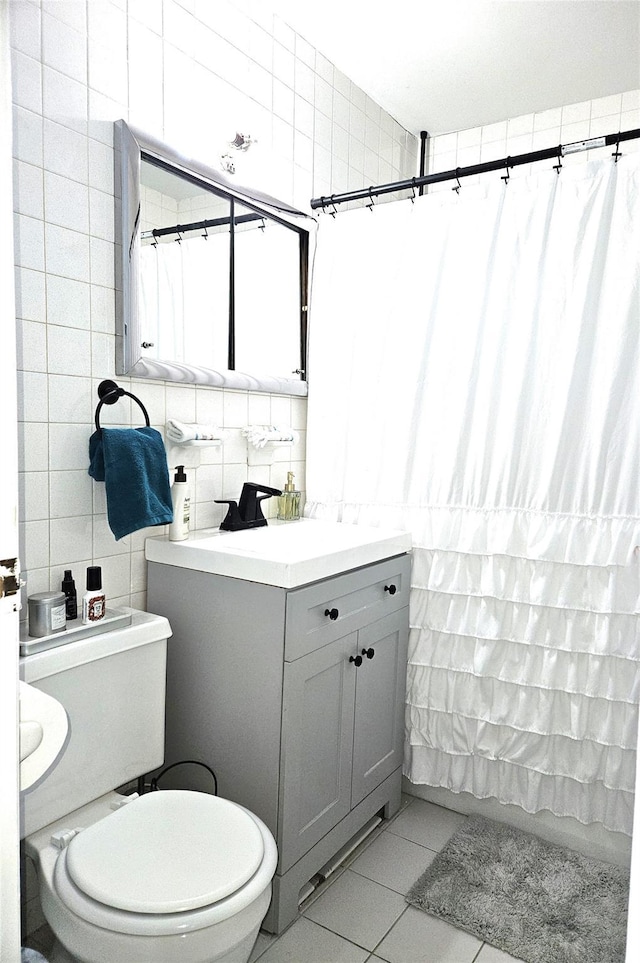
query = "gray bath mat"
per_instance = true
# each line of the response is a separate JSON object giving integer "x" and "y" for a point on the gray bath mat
{"x": 539, "y": 902}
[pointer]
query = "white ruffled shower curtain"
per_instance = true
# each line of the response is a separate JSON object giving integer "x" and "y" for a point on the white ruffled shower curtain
{"x": 474, "y": 378}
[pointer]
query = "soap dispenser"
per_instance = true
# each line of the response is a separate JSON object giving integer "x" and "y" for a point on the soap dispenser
{"x": 289, "y": 501}
{"x": 179, "y": 527}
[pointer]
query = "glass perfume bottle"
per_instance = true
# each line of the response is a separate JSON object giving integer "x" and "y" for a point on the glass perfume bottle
{"x": 289, "y": 501}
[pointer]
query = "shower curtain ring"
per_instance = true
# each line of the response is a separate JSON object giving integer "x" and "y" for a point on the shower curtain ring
{"x": 506, "y": 177}
{"x": 458, "y": 185}
{"x": 370, "y": 204}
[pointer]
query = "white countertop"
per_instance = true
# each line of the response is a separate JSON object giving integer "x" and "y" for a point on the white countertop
{"x": 286, "y": 554}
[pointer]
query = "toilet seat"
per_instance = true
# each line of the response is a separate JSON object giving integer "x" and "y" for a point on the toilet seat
{"x": 166, "y": 852}
{"x": 125, "y": 875}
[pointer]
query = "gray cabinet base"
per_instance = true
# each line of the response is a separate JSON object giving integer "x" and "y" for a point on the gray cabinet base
{"x": 286, "y": 888}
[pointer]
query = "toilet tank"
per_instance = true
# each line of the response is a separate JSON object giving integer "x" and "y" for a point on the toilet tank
{"x": 112, "y": 686}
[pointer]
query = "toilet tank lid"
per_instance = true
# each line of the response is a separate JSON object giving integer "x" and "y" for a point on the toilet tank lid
{"x": 167, "y": 852}
{"x": 145, "y": 628}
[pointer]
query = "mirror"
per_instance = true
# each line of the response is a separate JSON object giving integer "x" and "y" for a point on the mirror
{"x": 211, "y": 278}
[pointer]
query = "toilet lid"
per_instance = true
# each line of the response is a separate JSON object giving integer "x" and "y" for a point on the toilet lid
{"x": 166, "y": 852}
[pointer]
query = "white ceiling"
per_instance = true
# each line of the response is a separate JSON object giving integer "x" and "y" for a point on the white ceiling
{"x": 455, "y": 64}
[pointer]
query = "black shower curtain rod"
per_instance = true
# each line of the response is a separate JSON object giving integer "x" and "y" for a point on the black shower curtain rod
{"x": 505, "y": 164}
{"x": 200, "y": 225}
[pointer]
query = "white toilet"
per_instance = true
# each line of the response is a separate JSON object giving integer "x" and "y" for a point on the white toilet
{"x": 168, "y": 876}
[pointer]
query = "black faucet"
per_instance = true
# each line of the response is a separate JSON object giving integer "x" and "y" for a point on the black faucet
{"x": 247, "y": 512}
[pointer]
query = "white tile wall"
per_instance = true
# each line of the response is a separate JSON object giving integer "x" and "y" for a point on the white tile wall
{"x": 183, "y": 71}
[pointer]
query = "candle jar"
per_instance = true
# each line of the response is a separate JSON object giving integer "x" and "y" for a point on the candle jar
{"x": 47, "y": 614}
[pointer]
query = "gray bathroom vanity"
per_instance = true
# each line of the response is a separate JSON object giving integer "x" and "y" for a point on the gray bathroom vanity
{"x": 286, "y": 674}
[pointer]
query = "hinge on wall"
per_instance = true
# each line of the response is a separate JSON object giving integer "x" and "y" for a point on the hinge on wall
{"x": 10, "y": 578}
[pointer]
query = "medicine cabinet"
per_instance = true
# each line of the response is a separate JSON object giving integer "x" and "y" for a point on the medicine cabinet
{"x": 211, "y": 278}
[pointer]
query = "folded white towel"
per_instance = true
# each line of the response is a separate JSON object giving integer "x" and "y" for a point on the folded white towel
{"x": 261, "y": 435}
{"x": 179, "y": 433}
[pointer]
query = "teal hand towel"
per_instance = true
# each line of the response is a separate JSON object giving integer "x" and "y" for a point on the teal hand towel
{"x": 132, "y": 463}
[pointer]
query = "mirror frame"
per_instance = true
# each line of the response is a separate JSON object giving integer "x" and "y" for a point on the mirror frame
{"x": 132, "y": 146}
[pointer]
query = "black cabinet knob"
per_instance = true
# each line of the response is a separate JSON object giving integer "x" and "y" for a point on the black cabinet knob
{"x": 357, "y": 659}
{"x": 369, "y": 653}
{"x": 332, "y": 613}
{"x": 391, "y": 589}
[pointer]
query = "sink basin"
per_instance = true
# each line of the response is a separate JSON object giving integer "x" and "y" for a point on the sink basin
{"x": 43, "y": 729}
{"x": 286, "y": 554}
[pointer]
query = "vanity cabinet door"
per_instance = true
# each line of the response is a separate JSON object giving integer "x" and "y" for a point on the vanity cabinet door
{"x": 317, "y": 747}
{"x": 380, "y": 693}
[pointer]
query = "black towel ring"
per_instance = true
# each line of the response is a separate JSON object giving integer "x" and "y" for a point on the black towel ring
{"x": 109, "y": 392}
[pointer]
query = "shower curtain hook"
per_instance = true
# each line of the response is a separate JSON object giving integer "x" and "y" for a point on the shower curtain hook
{"x": 206, "y": 233}
{"x": 179, "y": 237}
{"x": 458, "y": 185}
{"x": 506, "y": 177}
{"x": 331, "y": 201}
{"x": 617, "y": 153}
{"x": 370, "y": 205}
{"x": 413, "y": 191}
{"x": 558, "y": 167}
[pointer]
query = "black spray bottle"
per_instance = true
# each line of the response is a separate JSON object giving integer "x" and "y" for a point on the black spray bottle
{"x": 71, "y": 596}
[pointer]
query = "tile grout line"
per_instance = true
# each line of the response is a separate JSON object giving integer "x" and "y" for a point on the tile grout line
{"x": 379, "y": 943}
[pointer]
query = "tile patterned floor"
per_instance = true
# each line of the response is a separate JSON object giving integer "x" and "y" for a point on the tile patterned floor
{"x": 359, "y": 914}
